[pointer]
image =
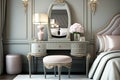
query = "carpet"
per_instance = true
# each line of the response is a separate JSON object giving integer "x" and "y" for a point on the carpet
{"x": 51, "y": 77}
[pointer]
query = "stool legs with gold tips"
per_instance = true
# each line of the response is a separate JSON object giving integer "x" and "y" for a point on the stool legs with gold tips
{"x": 58, "y": 61}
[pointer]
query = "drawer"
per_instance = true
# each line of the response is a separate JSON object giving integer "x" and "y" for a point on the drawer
{"x": 79, "y": 45}
{"x": 38, "y": 46}
{"x": 38, "y": 50}
{"x": 78, "y": 51}
{"x": 58, "y": 46}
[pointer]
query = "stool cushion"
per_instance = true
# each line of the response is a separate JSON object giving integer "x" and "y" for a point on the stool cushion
{"x": 57, "y": 59}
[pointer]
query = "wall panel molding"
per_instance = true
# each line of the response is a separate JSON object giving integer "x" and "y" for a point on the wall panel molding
{"x": 16, "y": 25}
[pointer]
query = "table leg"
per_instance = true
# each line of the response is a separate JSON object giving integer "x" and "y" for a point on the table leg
{"x": 29, "y": 61}
{"x": 87, "y": 63}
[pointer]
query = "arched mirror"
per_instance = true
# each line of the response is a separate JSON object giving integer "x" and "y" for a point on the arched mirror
{"x": 59, "y": 21}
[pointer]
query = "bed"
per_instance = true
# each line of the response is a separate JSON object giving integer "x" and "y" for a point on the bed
{"x": 107, "y": 64}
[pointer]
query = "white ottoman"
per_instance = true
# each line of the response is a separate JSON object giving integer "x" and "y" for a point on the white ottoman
{"x": 52, "y": 61}
{"x": 13, "y": 64}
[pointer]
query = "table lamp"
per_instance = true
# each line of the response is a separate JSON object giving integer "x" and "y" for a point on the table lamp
{"x": 40, "y": 20}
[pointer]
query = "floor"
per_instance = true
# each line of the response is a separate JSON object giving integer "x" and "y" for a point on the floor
{"x": 7, "y": 77}
{"x": 49, "y": 77}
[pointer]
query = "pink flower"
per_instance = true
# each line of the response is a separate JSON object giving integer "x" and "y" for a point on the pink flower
{"x": 76, "y": 27}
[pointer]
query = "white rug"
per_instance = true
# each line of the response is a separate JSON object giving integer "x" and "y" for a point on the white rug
{"x": 51, "y": 77}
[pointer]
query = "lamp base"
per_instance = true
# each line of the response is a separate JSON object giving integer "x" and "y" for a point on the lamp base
{"x": 40, "y": 35}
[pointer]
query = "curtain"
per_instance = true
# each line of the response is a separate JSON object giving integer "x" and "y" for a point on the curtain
{"x": 2, "y": 24}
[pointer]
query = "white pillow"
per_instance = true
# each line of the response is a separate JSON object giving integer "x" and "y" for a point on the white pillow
{"x": 112, "y": 42}
{"x": 105, "y": 43}
{"x": 101, "y": 43}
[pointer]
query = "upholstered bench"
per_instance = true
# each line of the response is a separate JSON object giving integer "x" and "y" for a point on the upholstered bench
{"x": 52, "y": 61}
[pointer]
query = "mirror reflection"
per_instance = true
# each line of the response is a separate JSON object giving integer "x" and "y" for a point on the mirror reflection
{"x": 59, "y": 23}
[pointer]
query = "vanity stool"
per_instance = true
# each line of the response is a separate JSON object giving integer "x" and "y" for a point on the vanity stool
{"x": 52, "y": 61}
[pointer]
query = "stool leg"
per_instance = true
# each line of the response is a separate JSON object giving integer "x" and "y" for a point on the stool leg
{"x": 30, "y": 68}
{"x": 59, "y": 72}
{"x": 69, "y": 70}
{"x": 44, "y": 71}
{"x": 55, "y": 71}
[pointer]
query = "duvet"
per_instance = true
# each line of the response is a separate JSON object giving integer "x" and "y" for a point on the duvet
{"x": 106, "y": 66}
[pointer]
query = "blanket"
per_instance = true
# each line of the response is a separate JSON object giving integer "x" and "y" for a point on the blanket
{"x": 106, "y": 66}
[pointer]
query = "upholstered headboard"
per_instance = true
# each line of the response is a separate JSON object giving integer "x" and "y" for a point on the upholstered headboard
{"x": 113, "y": 28}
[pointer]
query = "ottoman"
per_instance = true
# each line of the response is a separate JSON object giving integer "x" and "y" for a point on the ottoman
{"x": 13, "y": 64}
{"x": 52, "y": 61}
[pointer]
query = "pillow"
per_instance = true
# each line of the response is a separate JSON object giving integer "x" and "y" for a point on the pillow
{"x": 105, "y": 43}
{"x": 112, "y": 42}
{"x": 101, "y": 43}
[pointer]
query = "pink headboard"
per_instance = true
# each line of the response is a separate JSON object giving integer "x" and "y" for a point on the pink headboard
{"x": 113, "y": 28}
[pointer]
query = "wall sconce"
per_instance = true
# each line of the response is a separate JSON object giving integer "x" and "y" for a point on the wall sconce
{"x": 93, "y": 5}
{"x": 25, "y": 4}
{"x": 40, "y": 20}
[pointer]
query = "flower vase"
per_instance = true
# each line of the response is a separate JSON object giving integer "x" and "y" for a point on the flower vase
{"x": 76, "y": 36}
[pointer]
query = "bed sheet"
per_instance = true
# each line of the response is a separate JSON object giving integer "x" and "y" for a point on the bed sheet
{"x": 106, "y": 66}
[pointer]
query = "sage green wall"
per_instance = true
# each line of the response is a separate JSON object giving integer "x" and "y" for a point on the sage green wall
{"x": 19, "y": 31}
{"x": 106, "y": 9}
{"x": 76, "y": 7}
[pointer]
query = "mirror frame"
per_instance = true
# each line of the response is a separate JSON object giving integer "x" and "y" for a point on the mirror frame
{"x": 49, "y": 17}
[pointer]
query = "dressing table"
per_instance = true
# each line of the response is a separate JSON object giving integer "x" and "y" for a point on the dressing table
{"x": 58, "y": 36}
{"x": 77, "y": 49}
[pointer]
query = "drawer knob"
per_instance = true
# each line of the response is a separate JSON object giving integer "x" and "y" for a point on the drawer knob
{"x": 59, "y": 46}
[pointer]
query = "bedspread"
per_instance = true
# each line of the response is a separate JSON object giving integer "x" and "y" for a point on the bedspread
{"x": 106, "y": 66}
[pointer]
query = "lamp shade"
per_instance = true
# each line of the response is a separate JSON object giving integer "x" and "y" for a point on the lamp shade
{"x": 24, "y": 0}
{"x": 40, "y": 18}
